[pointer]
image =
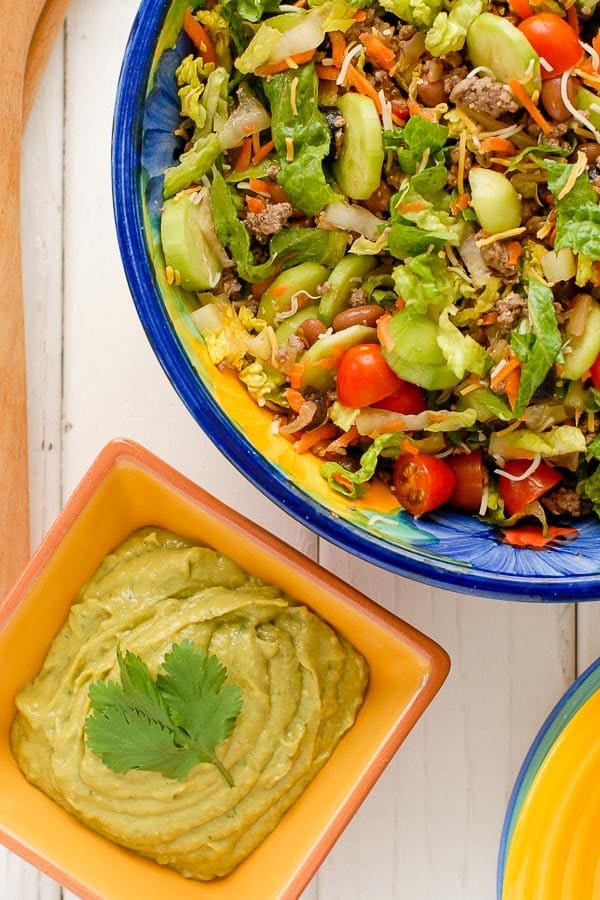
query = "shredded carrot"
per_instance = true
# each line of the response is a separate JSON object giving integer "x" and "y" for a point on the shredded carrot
{"x": 327, "y": 73}
{"x": 526, "y": 101}
{"x": 296, "y": 376}
{"x": 244, "y": 156}
{"x": 573, "y": 18}
{"x": 309, "y": 439}
{"x": 363, "y": 86}
{"x": 344, "y": 440}
{"x": 511, "y": 386}
{"x": 199, "y": 36}
{"x": 408, "y": 447}
{"x": 290, "y": 62}
{"x": 500, "y": 145}
{"x": 255, "y": 204}
{"x": 383, "y": 332}
{"x": 343, "y": 480}
{"x": 532, "y": 537}
{"x": 463, "y": 201}
{"x": 294, "y": 398}
{"x": 412, "y": 206}
{"x": 515, "y": 250}
{"x": 269, "y": 188}
{"x": 489, "y": 318}
{"x": 262, "y": 152}
{"x": 338, "y": 47}
{"x": 377, "y": 50}
{"x": 500, "y": 374}
{"x": 596, "y": 41}
{"x": 279, "y": 290}
{"x": 360, "y": 15}
{"x": 330, "y": 362}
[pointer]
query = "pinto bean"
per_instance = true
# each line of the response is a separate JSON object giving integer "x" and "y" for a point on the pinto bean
{"x": 357, "y": 315}
{"x": 552, "y": 100}
{"x": 591, "y": 150}
{"x": 309, "y": 331}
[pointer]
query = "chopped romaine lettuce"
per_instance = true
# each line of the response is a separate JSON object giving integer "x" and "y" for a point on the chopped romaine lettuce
{"x": 449, "y": 29}
{"x": 577, "y": 212}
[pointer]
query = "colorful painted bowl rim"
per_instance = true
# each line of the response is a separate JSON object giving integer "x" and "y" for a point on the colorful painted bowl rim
{"x": 273, "y": 483}
{"x": 569, "y": 704}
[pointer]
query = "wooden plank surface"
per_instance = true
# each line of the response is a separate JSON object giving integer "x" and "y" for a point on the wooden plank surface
{"x": 430, "y": 829}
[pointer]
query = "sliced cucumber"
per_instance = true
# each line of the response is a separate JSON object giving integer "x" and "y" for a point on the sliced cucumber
{"x": 291, "y": 325}
{"x": 416, "y": 355}
{"x": 581, "y": 352}
{"x": 358, "y": 169}
{"x": 345, "y": 276}
{"x": 588, "y": 101}
{"x": 320, "y": 377}
{"x": 494, "y": 199}
{"x": 189, "y": 242}
{"x": 497, "y": 44}
{"x": 277, "y": 298}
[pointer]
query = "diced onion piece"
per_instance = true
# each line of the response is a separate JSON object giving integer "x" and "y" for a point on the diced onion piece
{"x": 208, "y": 319}
{"x": 471, "y": 256}
{"x": 579, "y": 315}
{"x": 558, "y": 265}
{"x": 306, "y": 35}
{"x": 249, "y": 117}
{"x": 259, "y": 345}
{"x": 351, "y": 217}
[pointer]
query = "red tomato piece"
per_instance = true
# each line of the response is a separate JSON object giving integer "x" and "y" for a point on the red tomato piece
{"x": 518, "y": 494}
{"x": 595, "y": 372}
{"x": 408, "y": 399}
{"x": 554, "y": 41}
{"x": 364, "y": 377}
{"x": 471, "y": 478}
{"x": 422, "y": 482}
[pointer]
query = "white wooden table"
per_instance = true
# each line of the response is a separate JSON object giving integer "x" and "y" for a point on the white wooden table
{"x": 431, "y": 827}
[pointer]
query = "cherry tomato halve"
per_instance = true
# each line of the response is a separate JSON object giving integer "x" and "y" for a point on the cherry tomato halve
{"x": 408, "y": 399}
{"x": 554, "y": 41}
{"x": 364, "y": 377}
{"x": 422, "y": 482}
{"x": 595, "y": 372}
{"x": 471, "y": 478}
{"x": 517, "y": 494}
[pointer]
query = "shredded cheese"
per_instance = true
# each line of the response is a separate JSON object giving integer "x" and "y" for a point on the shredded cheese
{"x": 577, "y": 170}
{"x": 291, "y": 63}
{"x": 479, "y": 69}
{"x": 545, "y": 64}
{"x": 289, "y": 149}
{"x": 293, "y": 90}
{"x": 351, "y": 52}
{"x": 386, "y": 112}
{"x": 484, "y": 500}
{"x": 528, "y": 471}
{"x": 502, "y": 132}
{"x": 462, "y": 155}
{"x": 593, "y": 53}
{"x": 576, "y": 113}
{"x": 501, "y": 236}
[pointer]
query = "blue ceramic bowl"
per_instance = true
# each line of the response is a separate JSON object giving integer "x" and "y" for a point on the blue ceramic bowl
{"x": 447, "y": 550}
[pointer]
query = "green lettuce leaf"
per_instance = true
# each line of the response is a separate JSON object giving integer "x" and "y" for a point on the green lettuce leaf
{"x": 302, "y": 177}
{"x": 290, "y": 247}
{"x": 577, "y": 213}
{"x": 425, "y": 282}
{"x": 542, "y": 348}
{"x": 590, "y": 488}
{"x": 417, "y": 138}
{"x": 449, "y": 29}
{"x": 560, "y": 440}
{"x": 419, "y": 13}
{"x": 351, "y": 484}
{"x": 463, "y": 353}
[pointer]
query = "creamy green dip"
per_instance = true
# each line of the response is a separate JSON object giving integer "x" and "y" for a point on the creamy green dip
{"x": 302, "y": 685}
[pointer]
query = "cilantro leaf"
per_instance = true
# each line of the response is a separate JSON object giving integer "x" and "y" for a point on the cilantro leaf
{"x": 197, "y": 698}
{"x": 166, "y": 725}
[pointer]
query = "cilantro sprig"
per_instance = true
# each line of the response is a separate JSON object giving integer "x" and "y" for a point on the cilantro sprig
{"x": 166, "y": 725}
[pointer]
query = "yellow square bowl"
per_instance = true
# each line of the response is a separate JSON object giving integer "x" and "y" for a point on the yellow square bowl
{"x": 127, "y": 488}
